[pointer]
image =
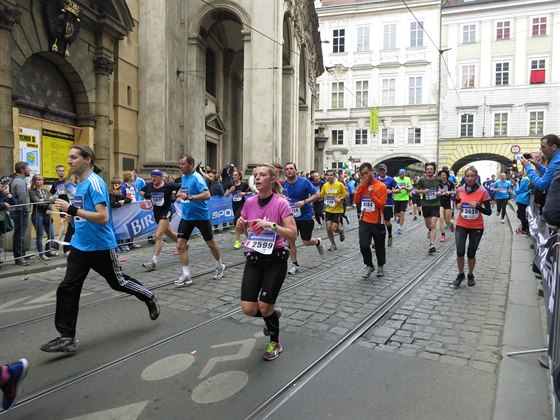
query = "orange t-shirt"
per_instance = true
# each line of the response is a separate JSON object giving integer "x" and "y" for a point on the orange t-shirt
{"x": 470, "y": 217}
{"x": 372, "y": 197}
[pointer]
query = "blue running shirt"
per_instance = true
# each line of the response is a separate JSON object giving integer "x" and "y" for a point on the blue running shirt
{"x": 502, "y": 190}
{"x": 194, "y": 210}
{"x": 300, "y": 190}
{"x": 91, "y": 236}
{"x": 390, "y": 183}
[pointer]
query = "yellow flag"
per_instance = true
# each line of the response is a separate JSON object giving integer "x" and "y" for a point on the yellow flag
{"x": 374, "y": 120}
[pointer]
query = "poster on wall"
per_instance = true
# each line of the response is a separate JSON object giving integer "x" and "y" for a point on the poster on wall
{"x": 30, "y": 148}
{"x": 56, "y": 146}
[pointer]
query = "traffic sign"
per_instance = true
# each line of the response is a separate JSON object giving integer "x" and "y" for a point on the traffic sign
{"x": 515, "y": 149}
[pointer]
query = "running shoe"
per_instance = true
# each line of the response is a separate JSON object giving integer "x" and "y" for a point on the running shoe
{"x": 342, "y": 235}
{"x": 380, "y": 272}
{"x": 503, "y": 221}
{"x": 320, "y": 247}
{"x": 237, "y": 245}
{"x": 60, "y": 344}
{"x": 432, "y": 249}
{"x": 399, "y": 230}
{"x": 442, "y": 238}
{"x": 153, "y": 307}
{"x": 367, "y": 271}
{"x": 219, "y": 272}
{"x": 135, "y": 246}
{"x": 293, "y": 269}
{"x": 458, "y": 280}
{"x": 278, "y": 314}
{"x": 17, "y": 371}
{"x": 184, "y": 280}
{"x": 452, "y": 227}
{"x": 470, "y": 278}
{"x": 332, "y": 248}
{"x": 390, "y": 241}
{"x": 272, "y": 351}
{"x": 151, "y": 266}
{"x": 429, "y": 233}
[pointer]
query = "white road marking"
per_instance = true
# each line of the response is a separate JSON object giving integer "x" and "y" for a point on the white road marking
{"x": 125, "y": 412}
{"x": 168, "y": 367}
{"x": 39, "y": 302}
{"x": 219, "y": 387}
{"x": 244, "y": 352}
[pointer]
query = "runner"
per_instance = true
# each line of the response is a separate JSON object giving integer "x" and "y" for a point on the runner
{"x": 268, "y": 222}
{"x": 401, "y": 195}
{"x": 333, "y": 193}
{"x": 160, "y": 192}
{"x": 300, "y": 193}
{"x": 429, "y": 186}
{"x": 372, "y": 194}
{"x": 502, "y": 192}
{"x": 415, "y": 198}
{"x": 238, "y": 190}
{"x": 472, "y": 202}
{"x": 391, "y": 185}
{"x": 318, "y": 206}
{"x": 445, "y": 203}
{"x": 92, "y": 247}
{"x": 194, "y": 214}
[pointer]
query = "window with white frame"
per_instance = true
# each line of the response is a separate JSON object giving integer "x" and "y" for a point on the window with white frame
{"x": 415, "y": 90}
{"x": 416, "y": 34}
{"x": 469, "y": 33}
{"x": 414, "y": 135}
{"x": 538, "y": 71}
{"x": 363, "y": 38}
{"x": 503, "y": 29}
{"x": 539, "y": 26}
{"x": 500, "y": 123}
{"x": 388, "y": 91}
{"x": 361, "y": 136}
{"x": 337, "y": 99}
{"x": 387, "y": 136}
{"x": 337, "y": 137}
{"x": 467, "y": 125}
{"x": 362, "y": 87}
{"x": 338, "y": 41}
{"x": 389, "y": 36}
{"x": 536, "y": 123}
{"x": 467, "y": 75}
{"x": 502, "y": 74}
{"x": 338, "y": 167}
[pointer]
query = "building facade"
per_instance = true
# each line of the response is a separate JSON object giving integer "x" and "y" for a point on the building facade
{"x": 379, "y": 55}
{"x": 500, "y": 83}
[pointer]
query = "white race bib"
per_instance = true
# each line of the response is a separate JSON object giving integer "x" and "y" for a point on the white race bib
{"x": 367, "y": 204}
{"x": 157, "y": 199}
{"x": 262, "y": 242}
{"x": 431, "y": 194}
{"x": 235, "y": 196}
{"x": 330, "y": 201}
{"x": 468, "y": 212}
{"x": 296, "y": 211}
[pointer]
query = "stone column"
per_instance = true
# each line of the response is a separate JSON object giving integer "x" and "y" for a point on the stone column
{"x": 102, "y": 141}
{"x": 8, "y": 17}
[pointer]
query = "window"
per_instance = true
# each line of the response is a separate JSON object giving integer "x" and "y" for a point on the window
{"x": 363, "y": 39}
{"x": 502, "y": 74}
{"x": 414, "y": 135}
{"x": 211, "y": 72}
{"x": 414, "y": 90}
{"x": 337, "y": 166}
{"x": 361, "y": 136}
{"x": 338, "y": 41}
{"x": 539, "y": 26}
{"x": 388, "y": 92}
{"x": 128, "y": 95}
{"x": 500, "y": 123}
{"x": 538, "y": 71}
{"x": 389, "y": 36}
{"x": 469, "y": 33}
{"x": 387, "y": 136}
{"x": 467, "y": 76}
{"x": 362, "y": 93}
{"x": 467, "y": 125}
{"x": 337, "y": 137}
{"x": 337, "y": 95}
{"x": 503, "y": 29}
{"x": 536, "y": 123}
{"x": 416, "y": 34}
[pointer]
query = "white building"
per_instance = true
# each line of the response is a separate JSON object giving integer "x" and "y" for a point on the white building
{"x": 378, "y": 54}
{"x": 500, "y": 77}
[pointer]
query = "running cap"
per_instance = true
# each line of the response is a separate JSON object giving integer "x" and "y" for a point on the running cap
{"x": 381, "y": 166}
{"x": 156, "y": 172}
{"x": 402, "y": 171}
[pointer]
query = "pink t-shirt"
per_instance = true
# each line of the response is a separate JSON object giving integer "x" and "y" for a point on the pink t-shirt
{"x": 275, "y": 211}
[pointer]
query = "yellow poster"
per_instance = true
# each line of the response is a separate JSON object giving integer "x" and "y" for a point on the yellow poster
{"x": 56, "y": 146}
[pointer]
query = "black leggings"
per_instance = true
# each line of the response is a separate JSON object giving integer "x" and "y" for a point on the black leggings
{"x": 263, "y": 280}
{"x": 501, "y": 205}
{"x": 474, "y": 235}
{"x": 366, "y": 232}
{"x": 522, "y": 216}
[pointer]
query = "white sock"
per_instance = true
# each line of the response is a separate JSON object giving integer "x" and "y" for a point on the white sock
{"x": 186, "y": 271}
{"x": 155, "y": 258}
{"x": 218, "y": 263}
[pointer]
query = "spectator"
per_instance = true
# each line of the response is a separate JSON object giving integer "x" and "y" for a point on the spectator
{"x": 57, "y": 188}
{"x": 551, "y": 210}
{"x": 41, "y": 217}
{"x": 5, "y": 201}
{"x": 116, "y": 200}
{"x": 523, "y": 199}
{"x": 20, "y": 211}
{"x": 227, "y": 180}
{"x": 138, "y": 183}
{"x": 128, "y": 191}
{"x": 550, "y": 148}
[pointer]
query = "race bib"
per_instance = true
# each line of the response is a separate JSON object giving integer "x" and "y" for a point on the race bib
{"x": 186, "y": 191}
{"x": 401, "y": 184}
{"x": 367, "y": 204}
{"x": 502, "y": 190}
{"x": 157, "y": 199}
{"x": 60, "y": 189}
{"x": 468, "y": 212}
{"x": 330, "y": 201}
{"x": 78, "y": 202}
{"x": 296, "y": 211}
{"x": 431, "y": 194}
{"x": 262, "y": 242}
{"x": 235, "y": 196}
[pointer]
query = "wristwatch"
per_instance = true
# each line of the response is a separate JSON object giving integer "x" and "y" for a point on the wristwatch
{"x": 189, "y": 197}
{"x": 273, "y": 226}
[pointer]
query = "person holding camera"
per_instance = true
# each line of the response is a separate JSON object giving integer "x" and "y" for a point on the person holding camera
{"x": 41, "y": 217}
{"x": 550, "y": 148}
